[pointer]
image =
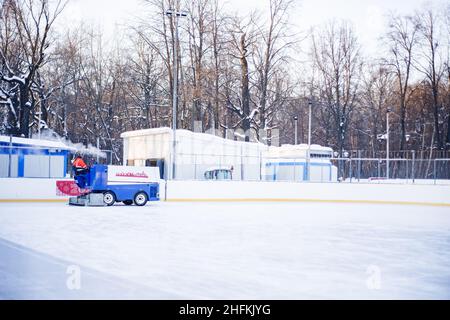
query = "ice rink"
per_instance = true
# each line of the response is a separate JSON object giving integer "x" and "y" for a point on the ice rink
{"x": 225, "y": 251}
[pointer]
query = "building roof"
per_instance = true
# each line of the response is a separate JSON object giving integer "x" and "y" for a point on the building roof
{"x": 36, "y": 143}
{"x": 146, "y": 132}
{"x": 182, "y": 133}
{"x": 300, "y": 150}
{"x": 284, "y": 151}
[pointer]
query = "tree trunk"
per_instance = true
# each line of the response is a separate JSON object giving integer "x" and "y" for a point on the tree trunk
{"x": 436, "y": 116}
{"x": 25, "y": 111}
{"x": 448, "y": 133}
{"x": 245, "y": 92}
{"x": 402, "y": 124}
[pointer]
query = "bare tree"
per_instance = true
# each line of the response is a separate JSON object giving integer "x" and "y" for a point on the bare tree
{"x": 270, "y": 54}
{"x": 376, "y": 96}
{"x": 429, "y": 62}
{"x": 199, "y": 28}
{"x": 24, "y": 42}
{"x": 148, "y": 94}
{"x": 336, "y": 54}
{"x": 158, "y": 34}
{"x": 242, "y": 40}
{"x": 218, "y": 41}
{"x": 446, "y": 27}
{"x": 402, "y": 39}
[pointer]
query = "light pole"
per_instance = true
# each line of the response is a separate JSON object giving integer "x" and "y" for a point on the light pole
{"x": 387, "y": 142}
{"x": 172, "y": 13}
{"x": 309, "y": 140}
{"x": 296, "y": 126}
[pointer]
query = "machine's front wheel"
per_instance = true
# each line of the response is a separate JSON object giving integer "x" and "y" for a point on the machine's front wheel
{"x": 140, "y": 199}
{"x": 109, "y": 198}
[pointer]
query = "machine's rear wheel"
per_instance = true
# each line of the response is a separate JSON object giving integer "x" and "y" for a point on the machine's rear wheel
{"x": 140, "y": 199}
{"x": 109, "y": 198}
{"x": 128, "y": 202}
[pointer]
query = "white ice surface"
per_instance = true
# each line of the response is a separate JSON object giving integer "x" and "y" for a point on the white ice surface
{"x": 248, "y": 250}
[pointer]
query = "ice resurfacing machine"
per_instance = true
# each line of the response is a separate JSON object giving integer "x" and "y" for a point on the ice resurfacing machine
{"x": 104, "y": 185}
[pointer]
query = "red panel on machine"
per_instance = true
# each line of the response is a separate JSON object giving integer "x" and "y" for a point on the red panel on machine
{"x": 69, "y": 188}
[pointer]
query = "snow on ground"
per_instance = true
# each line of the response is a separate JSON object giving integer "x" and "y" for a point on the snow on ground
{"x": 248, "y": 250}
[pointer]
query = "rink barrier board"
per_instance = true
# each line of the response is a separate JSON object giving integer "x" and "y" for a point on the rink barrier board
{"x": 411, "y": 203}
{"x": 33, "y": 200}
{"x": 385, "y": 202}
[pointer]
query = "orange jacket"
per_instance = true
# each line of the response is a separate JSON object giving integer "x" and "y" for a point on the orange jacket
{"x": 79, "y": 163}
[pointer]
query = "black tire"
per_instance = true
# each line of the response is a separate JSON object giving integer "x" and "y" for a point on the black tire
{"x": 128, "y": 202}
{"x": 109, "y": 198}
{"x": 140, "y": 199}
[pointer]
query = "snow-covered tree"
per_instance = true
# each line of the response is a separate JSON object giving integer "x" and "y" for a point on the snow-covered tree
{"x": 24, "y": 47}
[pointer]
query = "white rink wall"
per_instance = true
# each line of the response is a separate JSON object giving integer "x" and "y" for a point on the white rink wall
{"x": 45, "y": 189}
{"x": 291, "y": 191}
{"x": 29, "y": 189}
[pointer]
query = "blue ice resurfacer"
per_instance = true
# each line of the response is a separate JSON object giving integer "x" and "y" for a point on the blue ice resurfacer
{"x": 96, "y": 191}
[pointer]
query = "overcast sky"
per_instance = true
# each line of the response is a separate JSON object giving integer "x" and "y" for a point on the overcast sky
{"x": 367, "y": 16}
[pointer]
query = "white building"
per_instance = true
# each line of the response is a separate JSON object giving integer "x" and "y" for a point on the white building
{"x": 197, "y": 153}
{"x": 290, "y": 163}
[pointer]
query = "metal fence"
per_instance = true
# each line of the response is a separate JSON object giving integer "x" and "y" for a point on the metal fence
{"x": 410, "y": 170}
{"x": 345, "y": 170}
{"x": 258, "y": 168}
